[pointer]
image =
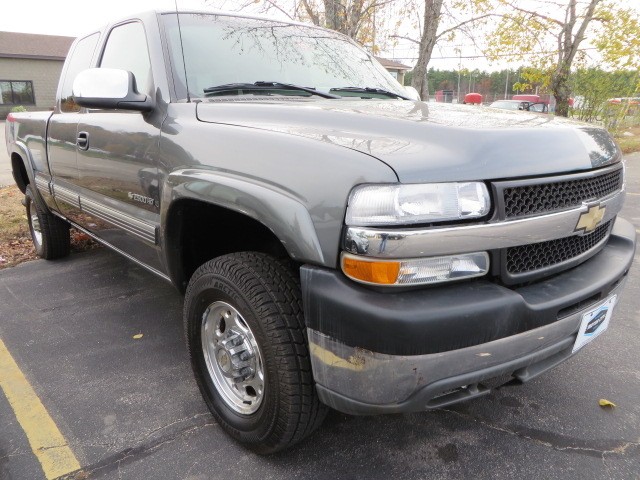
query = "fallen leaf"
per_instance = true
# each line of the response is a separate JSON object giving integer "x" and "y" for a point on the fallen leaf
{"x": 83, "y": 237}
{"x": 137, "y": 336}
{"x": 604, "y": 403}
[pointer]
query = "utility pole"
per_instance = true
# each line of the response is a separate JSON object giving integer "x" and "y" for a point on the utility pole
{"x": 506, "y": 84}
{"x": 459, "y": 68}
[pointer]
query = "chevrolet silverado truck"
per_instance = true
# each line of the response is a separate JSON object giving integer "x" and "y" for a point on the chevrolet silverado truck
{"x": 339, "y": 244}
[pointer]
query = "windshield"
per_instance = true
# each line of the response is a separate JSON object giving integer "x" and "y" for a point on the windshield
{"x": 221, "y": 50}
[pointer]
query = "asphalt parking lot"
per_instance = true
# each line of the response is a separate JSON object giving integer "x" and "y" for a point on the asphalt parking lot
{"x": 129, "y": 408}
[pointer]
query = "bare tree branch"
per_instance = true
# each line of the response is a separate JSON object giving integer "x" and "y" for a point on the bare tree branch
{"x": 312, "y": 15}
{"x": 279, "y": 8}
{"x": 532, "y": 13}
{"x": 413, "y": 40}
{"x": 461, "y": 24}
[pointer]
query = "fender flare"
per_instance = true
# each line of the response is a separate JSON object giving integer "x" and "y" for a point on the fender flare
{"x": 278, "y": 210}
{"x": 21, "y": 150}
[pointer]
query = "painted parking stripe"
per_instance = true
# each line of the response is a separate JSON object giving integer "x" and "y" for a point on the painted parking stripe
{"x": 46, "y": 441}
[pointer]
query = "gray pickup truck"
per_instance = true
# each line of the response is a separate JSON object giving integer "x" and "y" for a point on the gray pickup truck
{"x": 339, "y": 244}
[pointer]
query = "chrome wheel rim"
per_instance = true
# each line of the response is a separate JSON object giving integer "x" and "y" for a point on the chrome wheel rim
{"x": 34, "y": 223}
{"x": 233, "y": 358}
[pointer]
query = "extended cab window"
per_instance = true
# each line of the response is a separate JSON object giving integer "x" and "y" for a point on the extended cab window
{"x": 80, "y": 60}
{"x": 126, "y": 49}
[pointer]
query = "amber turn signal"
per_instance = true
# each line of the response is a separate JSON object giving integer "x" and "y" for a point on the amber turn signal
{"x": 377, "y": 272}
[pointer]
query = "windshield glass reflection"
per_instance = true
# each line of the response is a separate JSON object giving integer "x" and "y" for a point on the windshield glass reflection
{"x": 220, "y": 50}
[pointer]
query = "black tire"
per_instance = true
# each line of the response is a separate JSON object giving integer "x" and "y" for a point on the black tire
{"x": 267, "y": 295}
{"x": 49, "y": 233}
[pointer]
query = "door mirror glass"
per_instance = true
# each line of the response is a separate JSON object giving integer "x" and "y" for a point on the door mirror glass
{"x": 109, "y": 88}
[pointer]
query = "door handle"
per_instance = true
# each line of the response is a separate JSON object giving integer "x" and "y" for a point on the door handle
{"x": 82, "y": 141}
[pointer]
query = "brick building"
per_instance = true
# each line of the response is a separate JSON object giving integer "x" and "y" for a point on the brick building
{"x": 30, "y": 67}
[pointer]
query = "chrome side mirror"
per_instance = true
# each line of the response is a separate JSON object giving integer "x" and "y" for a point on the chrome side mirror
{"x": 109, "y": 88}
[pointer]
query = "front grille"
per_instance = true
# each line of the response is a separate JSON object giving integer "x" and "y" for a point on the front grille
{"x": 536, "y": 256}
{"x": 527, "y": 200}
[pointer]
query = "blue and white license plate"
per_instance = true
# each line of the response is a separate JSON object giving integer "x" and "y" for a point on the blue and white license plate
{"x": 594, "y": 322}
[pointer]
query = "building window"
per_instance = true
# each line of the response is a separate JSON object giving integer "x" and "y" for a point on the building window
{"x": 16, "y": 93}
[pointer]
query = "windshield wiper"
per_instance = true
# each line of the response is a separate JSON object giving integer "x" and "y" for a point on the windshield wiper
{"x": 373, "y": 90}
{"x": 264, "y": 87}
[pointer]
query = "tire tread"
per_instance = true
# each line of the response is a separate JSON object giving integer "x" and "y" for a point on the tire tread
{"x": 56, "y": 239}
{"x": 275, "y": 293}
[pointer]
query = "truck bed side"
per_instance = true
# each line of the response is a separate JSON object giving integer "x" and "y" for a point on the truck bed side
{"x": 26, "y": 135}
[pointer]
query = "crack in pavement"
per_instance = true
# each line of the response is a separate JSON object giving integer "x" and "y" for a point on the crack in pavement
{"x": 52, "y": 447}
{"x": 130, "y": 455}
{"x": 149, "y": 434}
{"x": 559, "y": 442}
{"x": 18, "y": 299}
{"x": 15, "y": 453}
{"x": 137, "y": 440}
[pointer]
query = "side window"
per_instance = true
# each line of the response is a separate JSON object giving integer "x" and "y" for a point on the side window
{"x": 80, "y": 60}
{"x": 127, "y": 50}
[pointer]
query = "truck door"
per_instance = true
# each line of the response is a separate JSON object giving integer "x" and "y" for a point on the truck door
{"x": 63, "y": 128}
{"x": 117, "y": 152}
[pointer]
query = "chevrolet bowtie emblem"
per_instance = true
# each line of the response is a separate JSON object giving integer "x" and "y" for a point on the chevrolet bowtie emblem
{"x": 590, "y": 219}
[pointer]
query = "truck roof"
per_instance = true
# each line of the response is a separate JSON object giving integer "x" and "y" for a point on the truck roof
{"x": 147, "y": 13}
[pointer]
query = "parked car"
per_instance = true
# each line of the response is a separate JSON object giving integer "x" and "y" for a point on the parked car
{"x": 524, "y": 105}
{"x": 511, "y": 104}
{"x": 632, "y": 104}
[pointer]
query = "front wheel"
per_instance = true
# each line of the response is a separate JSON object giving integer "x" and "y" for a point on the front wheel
{"x": 247, "y": 341}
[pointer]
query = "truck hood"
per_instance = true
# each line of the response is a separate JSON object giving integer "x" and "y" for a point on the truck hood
{"x": 427, "y": 142}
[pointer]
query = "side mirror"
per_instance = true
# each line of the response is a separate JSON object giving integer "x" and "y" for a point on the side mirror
{"x": 109, "y": 88}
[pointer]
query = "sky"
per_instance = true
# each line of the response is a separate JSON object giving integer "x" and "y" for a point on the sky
{"x": 75, "y": 17}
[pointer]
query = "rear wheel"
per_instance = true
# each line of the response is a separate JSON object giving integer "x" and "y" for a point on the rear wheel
{"x": 247, "y": 341}
{"x": 49, "y": 233}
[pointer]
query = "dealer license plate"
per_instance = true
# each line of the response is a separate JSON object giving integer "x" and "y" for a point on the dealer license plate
{"x": 594, "y": 322}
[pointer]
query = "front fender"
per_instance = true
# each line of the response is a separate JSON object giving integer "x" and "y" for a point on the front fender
{"x": 277, "y": 210}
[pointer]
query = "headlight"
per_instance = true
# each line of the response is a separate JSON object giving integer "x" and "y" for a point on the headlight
{"x": 371, "y": 205}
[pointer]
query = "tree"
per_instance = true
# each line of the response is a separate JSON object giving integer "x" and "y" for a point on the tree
{"x": 549, "y": 35}
{"x": 431, "y": 20}
{"x": 370, "y": 22}
{"x": 593, "y": 88}
{"x": 439, "y": 20}
{"x": 355, "y": 18}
